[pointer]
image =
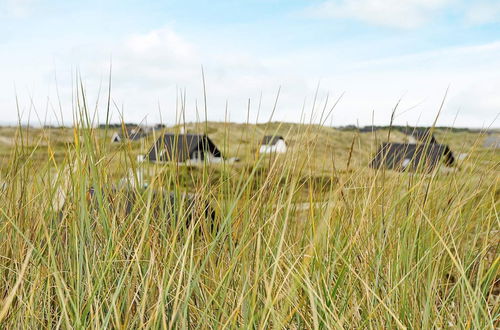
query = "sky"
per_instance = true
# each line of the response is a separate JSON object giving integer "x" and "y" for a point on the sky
{"x": 252, "y": 60}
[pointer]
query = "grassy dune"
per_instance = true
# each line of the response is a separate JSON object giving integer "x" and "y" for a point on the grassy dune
{"x": 310, "y": 239}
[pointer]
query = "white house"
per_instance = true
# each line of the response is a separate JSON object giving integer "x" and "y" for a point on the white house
{"x": 184, "y": 148}
{"x": 273, "y": 144}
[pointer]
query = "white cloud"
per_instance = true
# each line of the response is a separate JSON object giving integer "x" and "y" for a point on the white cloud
{"x": 392, "y": 13}
{"x": 160, "y": 43}
{"x": 150, "y": 68}
{"x": 407, "y": 14}
{"x": 16, "y": 8}
{"x": 474, "y": 56}
{"x": 482, "y": 12}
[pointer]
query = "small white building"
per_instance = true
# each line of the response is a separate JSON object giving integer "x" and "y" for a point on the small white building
{"x": 273, "y": 144}
{"x": 116, "y": 138}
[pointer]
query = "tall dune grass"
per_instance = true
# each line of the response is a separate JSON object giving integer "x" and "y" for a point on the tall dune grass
{"x": 351, "y": 247}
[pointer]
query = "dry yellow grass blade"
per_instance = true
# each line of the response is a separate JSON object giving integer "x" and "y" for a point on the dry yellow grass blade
{"x": 10, "y": 298}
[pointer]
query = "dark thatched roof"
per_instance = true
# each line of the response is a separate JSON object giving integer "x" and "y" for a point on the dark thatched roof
{"x": 407, "y": 156}
{"x": 182, "y": 147}
{"x": 271, "y": 139}
{"x": 422, "y": 135}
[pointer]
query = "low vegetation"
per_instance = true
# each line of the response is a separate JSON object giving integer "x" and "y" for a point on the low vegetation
{"x": 313, "y": 238}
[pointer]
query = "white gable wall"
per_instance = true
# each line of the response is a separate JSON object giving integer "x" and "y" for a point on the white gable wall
{"x": 279, "y": 147}
{"x": 116, "y": 137}
{"x": 208, "y": 157}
